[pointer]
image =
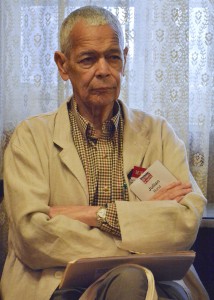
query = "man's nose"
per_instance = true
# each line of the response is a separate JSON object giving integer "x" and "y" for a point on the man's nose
{"x": 103, "y": 68}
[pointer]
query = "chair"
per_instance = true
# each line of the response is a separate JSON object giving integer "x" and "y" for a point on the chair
{"x": 204, "y": 247}
{"x": 3, "y": 230}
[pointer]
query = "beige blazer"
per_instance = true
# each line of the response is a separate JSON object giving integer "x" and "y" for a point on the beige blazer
{"x": 42, "y": 168}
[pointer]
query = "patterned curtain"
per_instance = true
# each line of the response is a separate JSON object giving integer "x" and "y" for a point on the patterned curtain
{"x": 170, "y": 68}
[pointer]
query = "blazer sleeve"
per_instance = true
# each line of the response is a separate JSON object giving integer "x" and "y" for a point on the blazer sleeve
{"x": 153, "y": 226}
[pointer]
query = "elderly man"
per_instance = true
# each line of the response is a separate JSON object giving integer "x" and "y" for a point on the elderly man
{"x": 67, "y": 188}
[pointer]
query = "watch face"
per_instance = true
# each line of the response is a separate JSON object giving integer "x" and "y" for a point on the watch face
{"x": 101, "y": 216}
{"x": 102, "y": 213}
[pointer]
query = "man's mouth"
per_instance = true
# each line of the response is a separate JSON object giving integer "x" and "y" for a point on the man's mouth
{"x": 102, "y": 90}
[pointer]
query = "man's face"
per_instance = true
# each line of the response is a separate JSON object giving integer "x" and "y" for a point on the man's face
{"x": 95, "y": 65}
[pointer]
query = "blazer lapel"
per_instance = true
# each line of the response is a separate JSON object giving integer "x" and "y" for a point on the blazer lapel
{"x": 135, "y": 141}
{"x": 68, "y": 153}
{"x": 70, "y": 158}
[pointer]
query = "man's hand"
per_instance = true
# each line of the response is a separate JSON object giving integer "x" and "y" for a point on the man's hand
{"x": 173, "y": 191}
{"x": 82, "y": 213}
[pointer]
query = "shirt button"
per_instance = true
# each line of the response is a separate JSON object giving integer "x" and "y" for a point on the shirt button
{"x": 105, "y": 155}
{"x": 58, "y": 274}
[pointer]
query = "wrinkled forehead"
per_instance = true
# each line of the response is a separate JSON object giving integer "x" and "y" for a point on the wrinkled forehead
{"x": 83, "y": 29}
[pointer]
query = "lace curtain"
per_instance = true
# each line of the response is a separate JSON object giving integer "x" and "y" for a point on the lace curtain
{"x": 170, "y": 68}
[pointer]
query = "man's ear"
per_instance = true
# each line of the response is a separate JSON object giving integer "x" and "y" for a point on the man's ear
{"x": 125, "y": 52}
{"x": 61, "y": 62}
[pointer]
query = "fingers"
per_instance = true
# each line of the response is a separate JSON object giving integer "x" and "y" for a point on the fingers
{"x": 173, "y": 191}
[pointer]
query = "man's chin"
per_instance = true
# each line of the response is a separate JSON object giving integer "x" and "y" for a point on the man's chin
{"x": 102, "y": 100}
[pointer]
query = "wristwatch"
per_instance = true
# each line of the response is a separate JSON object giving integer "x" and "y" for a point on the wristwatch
{"x": 101, "y": 216}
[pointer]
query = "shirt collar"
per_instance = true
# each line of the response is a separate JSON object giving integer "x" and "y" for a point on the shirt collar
{"x": 109, "y": 127}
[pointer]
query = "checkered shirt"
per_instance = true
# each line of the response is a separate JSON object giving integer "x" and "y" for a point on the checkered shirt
{"x": 102, "y": 159}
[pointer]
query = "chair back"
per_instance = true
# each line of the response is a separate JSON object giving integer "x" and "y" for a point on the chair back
{"x": 3, "y": 230}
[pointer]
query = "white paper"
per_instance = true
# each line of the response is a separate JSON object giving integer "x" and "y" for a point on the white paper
{"x": 154, "y": 178}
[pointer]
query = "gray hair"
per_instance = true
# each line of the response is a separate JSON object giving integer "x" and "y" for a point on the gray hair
{"x": 92, "y": 15}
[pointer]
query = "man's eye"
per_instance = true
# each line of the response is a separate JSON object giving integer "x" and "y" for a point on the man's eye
{"x": 115, "y": 57}
{"x": 87, "y": 61}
